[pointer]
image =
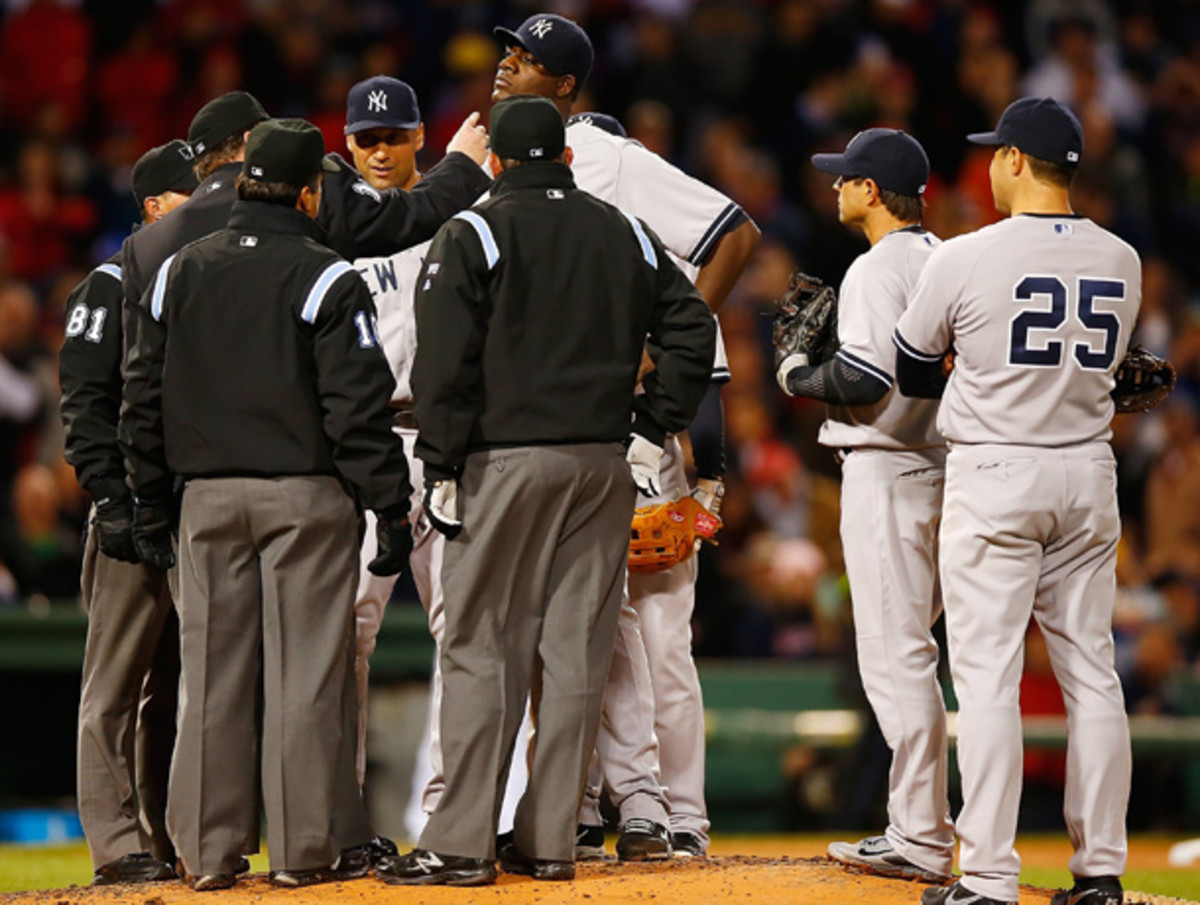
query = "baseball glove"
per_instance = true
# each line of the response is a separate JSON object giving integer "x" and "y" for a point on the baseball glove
{"x": 805, "y": 321}
{"x": 665, "y": 534}
{"x": 1143, "y": 380}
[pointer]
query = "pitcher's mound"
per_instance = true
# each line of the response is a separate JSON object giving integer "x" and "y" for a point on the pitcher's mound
{"x": 721, "y": 880}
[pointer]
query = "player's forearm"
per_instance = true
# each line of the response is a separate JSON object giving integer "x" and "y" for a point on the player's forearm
{"x": 837, "y": 382}
{"x": 707, "y": 434}
{"x": 724, "y": 267}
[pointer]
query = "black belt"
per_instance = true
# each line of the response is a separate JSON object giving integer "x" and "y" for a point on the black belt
{"x": 404, "y": 418}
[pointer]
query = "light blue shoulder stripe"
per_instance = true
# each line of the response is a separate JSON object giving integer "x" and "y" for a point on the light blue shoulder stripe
{"x": 160, "y": 289}
{"x": 491, "y": 251}
{"x": 316, "y": 295}
{"x": 111, "y": 269}
{"x": 647, "y": 247}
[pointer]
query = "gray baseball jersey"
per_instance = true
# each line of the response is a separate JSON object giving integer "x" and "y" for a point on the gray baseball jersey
{"x": 1039, "y": 310}
{"x": 873, "y": 295}
{"x": 892, "y": 479}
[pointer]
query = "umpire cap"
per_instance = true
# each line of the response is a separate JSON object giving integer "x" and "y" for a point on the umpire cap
{"x": 230, "y": 114}
{"x": 894, "y": 159}
{"x": 1040, "y": 127}
{"x": 527, "y": 128}
{"x": 167, "y": 168}
{"x": 285, "y": 150}
{"x": 381, "y": 102}
{"x": 559, "y": 44}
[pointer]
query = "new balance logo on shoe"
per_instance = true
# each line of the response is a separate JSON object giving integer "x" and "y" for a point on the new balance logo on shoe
{"x": 429, "y": 861}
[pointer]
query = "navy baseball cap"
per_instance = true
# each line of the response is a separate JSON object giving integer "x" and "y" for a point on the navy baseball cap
{"x": 381, "y": 102}
{"x": 1040, "y": 127}
{"x": 167, "y": 168}
{"x": 558, "y": 44}
{"x": 526, "y": 127}
{"x": 230, "y": 114}
{"x": 609, "y": 124}
{"x": 285, "y": 150}
{"x": 894, "y": 159}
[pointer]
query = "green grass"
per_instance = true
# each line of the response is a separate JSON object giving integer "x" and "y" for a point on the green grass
{"x": 25, "y": 867}
{"x": 1182, "y": 883}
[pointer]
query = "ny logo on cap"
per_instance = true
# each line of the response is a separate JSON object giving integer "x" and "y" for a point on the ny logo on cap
{"x": 186, "y": 152}
{"x": 377, "y": 101}
{"x": 540, "y": 27}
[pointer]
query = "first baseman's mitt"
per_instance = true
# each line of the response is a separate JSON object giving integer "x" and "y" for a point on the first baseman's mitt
{"x": 664, "y": 535}
{"x": 805, "y": 320}
{"x": 1143, "y": 380}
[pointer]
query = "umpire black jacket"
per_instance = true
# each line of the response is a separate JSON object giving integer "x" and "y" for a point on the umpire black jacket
{"x": 256, "y": 355}
{"x": 90, "y": 375}
{"x": 358, "y": 220}
{"x": 532, "y": 310}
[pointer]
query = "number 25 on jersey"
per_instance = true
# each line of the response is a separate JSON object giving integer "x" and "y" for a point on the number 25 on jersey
{"x": 1026, "y": 350}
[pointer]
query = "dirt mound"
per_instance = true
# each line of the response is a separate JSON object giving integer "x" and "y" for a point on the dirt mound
{"x": 720, "y": 880}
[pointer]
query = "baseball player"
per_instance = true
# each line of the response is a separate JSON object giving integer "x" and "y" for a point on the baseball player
{"x": 131, "y": 657}
{"x": 712, "y": 239}
{"x": 541, "y": 292}
{"x": 1038, "y": 310}
{"x": 256, "y": 379}
{"x": 893, "y": 468}
{"x": 384, "y": 132}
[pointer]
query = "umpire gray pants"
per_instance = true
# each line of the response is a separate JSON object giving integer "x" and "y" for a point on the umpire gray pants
{"x": 126, "y": 707}
{"x": 267, "y": 569}
{"x": 532, "y": 586}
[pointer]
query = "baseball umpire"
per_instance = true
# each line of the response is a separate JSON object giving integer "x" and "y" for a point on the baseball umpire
{"x": 256, "y": 378}
{"x": 1038, "y": 310}
{"x": 540, "y": 293}
{"x": 893, "y": 470}
{"x": 131, "y": 657}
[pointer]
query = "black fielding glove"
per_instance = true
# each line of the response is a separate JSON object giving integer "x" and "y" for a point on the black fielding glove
{"x": 395, "y": 543}
{"x": 113, "y": 519}
{"x": 152, "y": 534}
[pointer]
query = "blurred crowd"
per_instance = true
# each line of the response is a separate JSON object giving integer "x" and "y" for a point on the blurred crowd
{"x": 737, "y": 92}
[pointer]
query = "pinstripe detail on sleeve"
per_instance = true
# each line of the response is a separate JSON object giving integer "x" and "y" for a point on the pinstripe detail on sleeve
{"x": 865, "y": 366}
{"x": 647, "y": 247}
{"x": 316, "y": 295}
{"x": 160, "y": 289}
{"x": 491, "y": 251}
{"x": 111, "y": 269}
{"x": 728, "y": 218}
{"x": 908, "y": 350}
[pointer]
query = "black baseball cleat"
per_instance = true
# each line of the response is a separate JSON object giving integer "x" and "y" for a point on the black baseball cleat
{"x": 957, "y": 894}
{"x": 686, "y": 844}
{"x": 513, "y": 861}
{"x": 294, "y": 879}
{"x": 382, "y": 847}
{"x": 1091, "y": 891}
{"x": 589, "y": 843}
{"x": 243, "y": 865}
{"x": 137, "y": 868}
{"x": 643, "y": 840}
{"x": 424, "y": 868}
{"x": 210, "y": 882}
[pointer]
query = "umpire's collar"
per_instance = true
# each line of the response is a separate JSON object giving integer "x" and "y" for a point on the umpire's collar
{"x": 534, "y": 176}
{"x": 273, "y": 218}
